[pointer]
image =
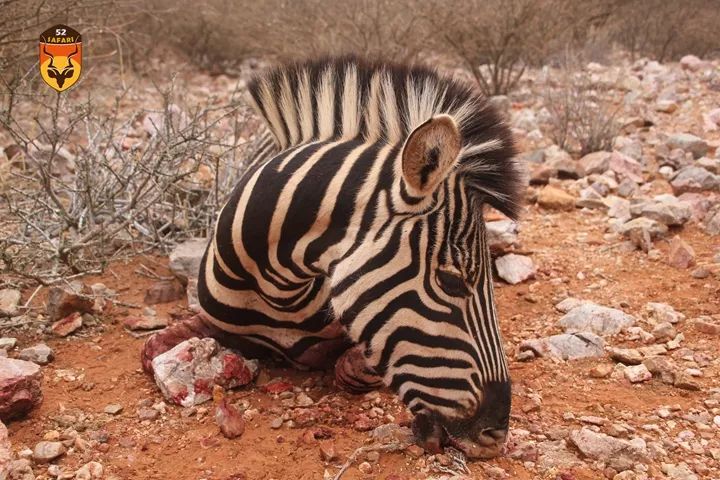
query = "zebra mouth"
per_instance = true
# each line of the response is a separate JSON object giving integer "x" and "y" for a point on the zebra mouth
{"x": 433, "y": 437}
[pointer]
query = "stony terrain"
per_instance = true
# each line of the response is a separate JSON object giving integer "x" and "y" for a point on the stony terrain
{"x": 608, "y": 292}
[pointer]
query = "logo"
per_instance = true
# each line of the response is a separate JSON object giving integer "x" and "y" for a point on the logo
{"x": 60, "y": 57}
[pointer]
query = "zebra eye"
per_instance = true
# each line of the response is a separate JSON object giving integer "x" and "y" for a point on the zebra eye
{"x": 452, "y": 284}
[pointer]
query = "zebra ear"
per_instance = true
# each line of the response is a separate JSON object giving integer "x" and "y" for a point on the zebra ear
{"x": 430, "y": 151}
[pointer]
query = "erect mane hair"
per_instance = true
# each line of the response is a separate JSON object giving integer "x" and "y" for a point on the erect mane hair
{"x": 347, "y": 98}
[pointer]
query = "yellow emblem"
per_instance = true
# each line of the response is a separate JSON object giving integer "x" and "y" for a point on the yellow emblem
{"x": 60, "y": 57}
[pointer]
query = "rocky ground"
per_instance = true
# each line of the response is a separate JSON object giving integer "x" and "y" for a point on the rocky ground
{"x": 609, "y": 297}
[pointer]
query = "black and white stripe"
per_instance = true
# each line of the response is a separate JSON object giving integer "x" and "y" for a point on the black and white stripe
{"x": 331, "y": 238}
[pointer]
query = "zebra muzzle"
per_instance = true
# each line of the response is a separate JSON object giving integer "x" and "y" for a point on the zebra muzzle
{"x": 483, "y": 444}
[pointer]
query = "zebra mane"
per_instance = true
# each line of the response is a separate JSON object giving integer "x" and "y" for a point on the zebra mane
{"x": 347, "y": 97}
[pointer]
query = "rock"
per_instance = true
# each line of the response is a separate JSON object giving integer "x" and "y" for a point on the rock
{"x": 602, "y": 370}
{"x": 229, "y": 419}
{"x": 695, "y": 179}
{"x": 7, "y": 343}
{"x": 569, "y": 303}
{"x": 699, "y": 204}
{"x": 562, "y": 164}
{"x": 666, "y": 106}
{"x": 712, "y": 221}
{"x": 393, "y": 433}
{"x": 19, "y": 387}
{"x": 185, "y": 259}
{"x": 146, "y": 413}
{"x": 700, "y": 273}
{"x": 164, "y": 292}
{"x": 627, "y": 356}
{"x": 637, "y": 373}
{"x": 502, "y": 235}
{"x": 667, "y": 210}
{"x": 625, "y": 167}
{"x": 707, "y": 325}
{"x": 597, "y": 162}
{"x": 20, "y": 470}
{"x": 619, "y": 454}
{"x": 113, "y": 409}
{"x": 45, "y": 452}
{"x": 145, "y": 322}
{"x": 693, "y": 63}
{"x": 618, "y": 208}
{"x": 67, "y": 325}
{"x": 681, "y": 255}
{"x": 627, "y": 188}
{"x": 515, "y": 268}
{"x": 686, "y": 381}
{"x": 590, "y": 198}
{"x": 40, "y": 354}
{"x": 680, "y": 471}
{"x": 597, "y": 319}
{"x": 187, "y": 373}
{"x": 327, "y": 451}
{"x": 661, "y": 367}
{"x": 90, "y": 471}
{"x": 63, "y": 301}
{"x": 690, "y": 143}
{"x": 365, "y": 468}
{"x": 9, "y": 300}
{"x": 552, "y": 198}
{"x": 6, "y": 454}
{"x": 566, "y": 346}
{"x": 664, "y": 331}
{"x": 640, "y": 225}
{"x": 662, "y": 312}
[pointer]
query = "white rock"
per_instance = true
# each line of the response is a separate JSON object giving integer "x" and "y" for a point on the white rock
{"x": 187, "y": 373}
{"x": 6, "y": 454}
{"x": 569, "y": 303}
{"x": 662, "y": 312}
{"x": 9, "y": 300}
{"x": 501, "y": 235}
{"x": 515, "y": 268}
{"x": 566, "y": 346}
{"x": 597, "y": 319}
{"x": 618, "y": 454}
{"x": 637, "y": 373}
{"x": 185, "y": 258}
{"x": 45, "y": 452}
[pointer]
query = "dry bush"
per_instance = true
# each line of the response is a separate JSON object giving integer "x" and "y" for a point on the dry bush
{"x": 666, "y": 30}
{"x": 582, "y": 116}
{"x": 497, "y": 40}
{"x": 92, "y": 185}
{"x": 216, "y": 31}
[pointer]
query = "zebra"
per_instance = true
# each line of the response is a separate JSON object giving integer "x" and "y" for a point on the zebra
{"x": 357, "y": 237}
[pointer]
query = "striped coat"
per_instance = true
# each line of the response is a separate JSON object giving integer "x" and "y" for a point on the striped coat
{"x": 361, "y": 226}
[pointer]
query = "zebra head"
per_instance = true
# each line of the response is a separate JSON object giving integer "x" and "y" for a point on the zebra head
{"x": 426, "y": 316}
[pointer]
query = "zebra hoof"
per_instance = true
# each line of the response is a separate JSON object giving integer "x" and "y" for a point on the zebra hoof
{"x": 166, "y": 339}
{"x": 353, "y": 375}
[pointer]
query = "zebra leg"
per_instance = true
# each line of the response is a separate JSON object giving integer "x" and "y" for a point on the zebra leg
{"x": 353, "y": 375}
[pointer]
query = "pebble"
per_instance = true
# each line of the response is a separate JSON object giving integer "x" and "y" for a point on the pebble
{"x": 113, "y": 409}
{"x": 45, "y": 451}
{"x": 145, "y": 413}
{"x": 327, "y": 451}
{"x": 681, "y": 255}
{"x": 637, "y": 373}
{"x": 602, "y": 370}
{"x": 276, "y": 423}
{"x": 365, "y": 468}
{"x": 40, "y": 354}
{"x": 627, "y": 356}
{"x": 590, "y": 317}
{"x": 9, "y": 300}
{"x": 515, "y": 268}
{"x": 89, "y": 471}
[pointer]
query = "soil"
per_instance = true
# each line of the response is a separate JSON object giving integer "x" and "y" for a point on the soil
{"x": 104, "y": 361}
